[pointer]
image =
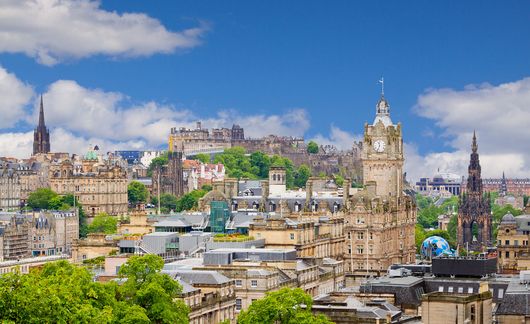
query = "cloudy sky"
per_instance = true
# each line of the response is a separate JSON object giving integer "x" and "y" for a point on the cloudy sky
{"x": 120, "y": 74}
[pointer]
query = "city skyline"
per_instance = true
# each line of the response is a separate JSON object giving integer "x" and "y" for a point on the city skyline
{"x": 225, "y": 64}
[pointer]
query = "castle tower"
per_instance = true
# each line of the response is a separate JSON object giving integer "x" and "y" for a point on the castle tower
{"x": 474, "y": 208}
{"x": 382, "y": 153}
{"x": 41, "y": 134}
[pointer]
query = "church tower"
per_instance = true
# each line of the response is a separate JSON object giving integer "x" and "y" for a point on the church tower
{"x": 382, "y": 153}
{"x": 475, "y": 208}
{"x": 41, "y": 134}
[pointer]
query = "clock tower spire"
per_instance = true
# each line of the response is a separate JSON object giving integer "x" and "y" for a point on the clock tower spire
{"x": 382, "y": 152}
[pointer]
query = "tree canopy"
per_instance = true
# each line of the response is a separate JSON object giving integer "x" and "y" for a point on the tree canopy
{"x": 137, "y": 192}
{"x": 159, "y": 161}
{"x": 312, "y": 147}
{"x": 285, "y": 306}
{"x": 43, "y": 198}
{"x": 204, "y": 158}
{"x": 189, "y": 201}
{"x": 61, "y": 292}
{"x": 103, "y": 223}
{"x": 239, "y": 165}
{"x": 301, "y": 176}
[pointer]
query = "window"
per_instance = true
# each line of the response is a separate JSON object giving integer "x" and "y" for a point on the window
{"x": 239, "y": 283}
{"x": 516, "y": 242}
{"x": 472, "y": 312}
{"x": 349, "y": 235}
{"x": 470, "y": 290}
{"x": 507, "y": 254}
{"x": 360, "y": 235}
{"x": 507, "y": 242}
{"x": 254, "y": 283}
{"x": 460, "y": 290}
{"x": 440, "y": 288}
{"x": 500, "y": 293}
{"x": 359, "y": 249}
{"x": 371, "y": 236}
{"x": 450, "y": 289}
{"x": 292, "y": 236}
{"x": 238, "y": 304}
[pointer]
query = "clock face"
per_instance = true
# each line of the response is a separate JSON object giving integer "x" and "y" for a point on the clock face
{"x": 379, "y": 146}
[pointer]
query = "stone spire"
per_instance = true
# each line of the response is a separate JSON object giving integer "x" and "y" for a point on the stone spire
{"x": 41, "y": 135}
{"x": 382, "y": 110}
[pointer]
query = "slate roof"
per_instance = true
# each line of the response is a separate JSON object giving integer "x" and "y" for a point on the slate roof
{"x": 199, "y": 277}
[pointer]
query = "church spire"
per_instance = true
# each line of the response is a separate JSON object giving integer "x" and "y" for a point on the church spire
{"x": 41, "y": 115}
{"x": 41, "y": 135}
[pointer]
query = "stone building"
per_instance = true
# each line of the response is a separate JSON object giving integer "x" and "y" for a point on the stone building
{"x": 18, "y": 179}
{"x": 10, "y": 187}
{"x": 513, "y": 250}
{"x": 170, "y": 177}
{"x": 41, "y": 135}
{"x": 378, "y": 221}
{"x": 99, "y": 183}
{"x": 257, "y": 271}
{"x": 440, "y": 308}
{"x": 474, "y": 208}
{"x": 309, "y": 235}
{"x": 15, "y": 233}
{"x": 328, "y": 160}
{"x": 53, "y": 233}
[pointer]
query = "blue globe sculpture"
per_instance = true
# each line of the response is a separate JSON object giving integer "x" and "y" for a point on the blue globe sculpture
{"x": 435, "y": 246}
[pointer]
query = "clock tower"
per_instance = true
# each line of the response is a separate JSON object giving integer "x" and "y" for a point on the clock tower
{"x": 382, "y": 153}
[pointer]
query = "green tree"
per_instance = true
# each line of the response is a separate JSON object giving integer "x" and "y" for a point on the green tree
{"x": 204, "y": 158}
{"x": 339, "y": 180}
{"x": 154, "y": 292}
{"x": 312, "y": 147}
{"x": 285, "y": 306}
{"x": 103, "y": 223}
{"x": 137, "y": 192}
{"x": 40, "y": 198}
{"x": 206, "y": 188}
{"x": 168, "y": 202}
{"x": 61, "y": 292}
{"x": 301, "y": 176}
{"x": 419, "y": 236}
{"x": 261, "y": 163}
{"x": 157, "y": 162}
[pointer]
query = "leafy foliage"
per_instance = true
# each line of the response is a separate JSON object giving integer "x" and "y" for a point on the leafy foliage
{"x": 312, "y": 147}
{"x": 61, "y": 292}
{"x": 428, "y": 212}
{"x": 301, "y": 176}
{"x": 103, "y": 223}
{"x": 43, "y": 198}
{"x": 46, "y": 198}
{"x": 498, "y": 212}
{"x": 282, "y": 306}
{"x": 339, "y": 180}
{"x": 239, "y": 165}
{"x": 189, "y": 201}
{"x": 204, "y": 158}
{"x": 157, "y": 162}
{"x": 137, "y": 192}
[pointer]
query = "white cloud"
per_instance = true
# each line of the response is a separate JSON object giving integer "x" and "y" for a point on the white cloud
{"x": 15, "y": 96}
{"x": 342, "y": 139}
{"x": 294, "y": 122}
{"x": 499, "y": 114}
{"x": 54, "y": 30}
{"x": 16, "y": 145}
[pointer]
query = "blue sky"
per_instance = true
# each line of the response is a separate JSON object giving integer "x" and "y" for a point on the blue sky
{"x": 317, "y": 61}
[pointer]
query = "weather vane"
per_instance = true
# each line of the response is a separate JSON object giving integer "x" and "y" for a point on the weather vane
{"x": 382, "y": 81}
